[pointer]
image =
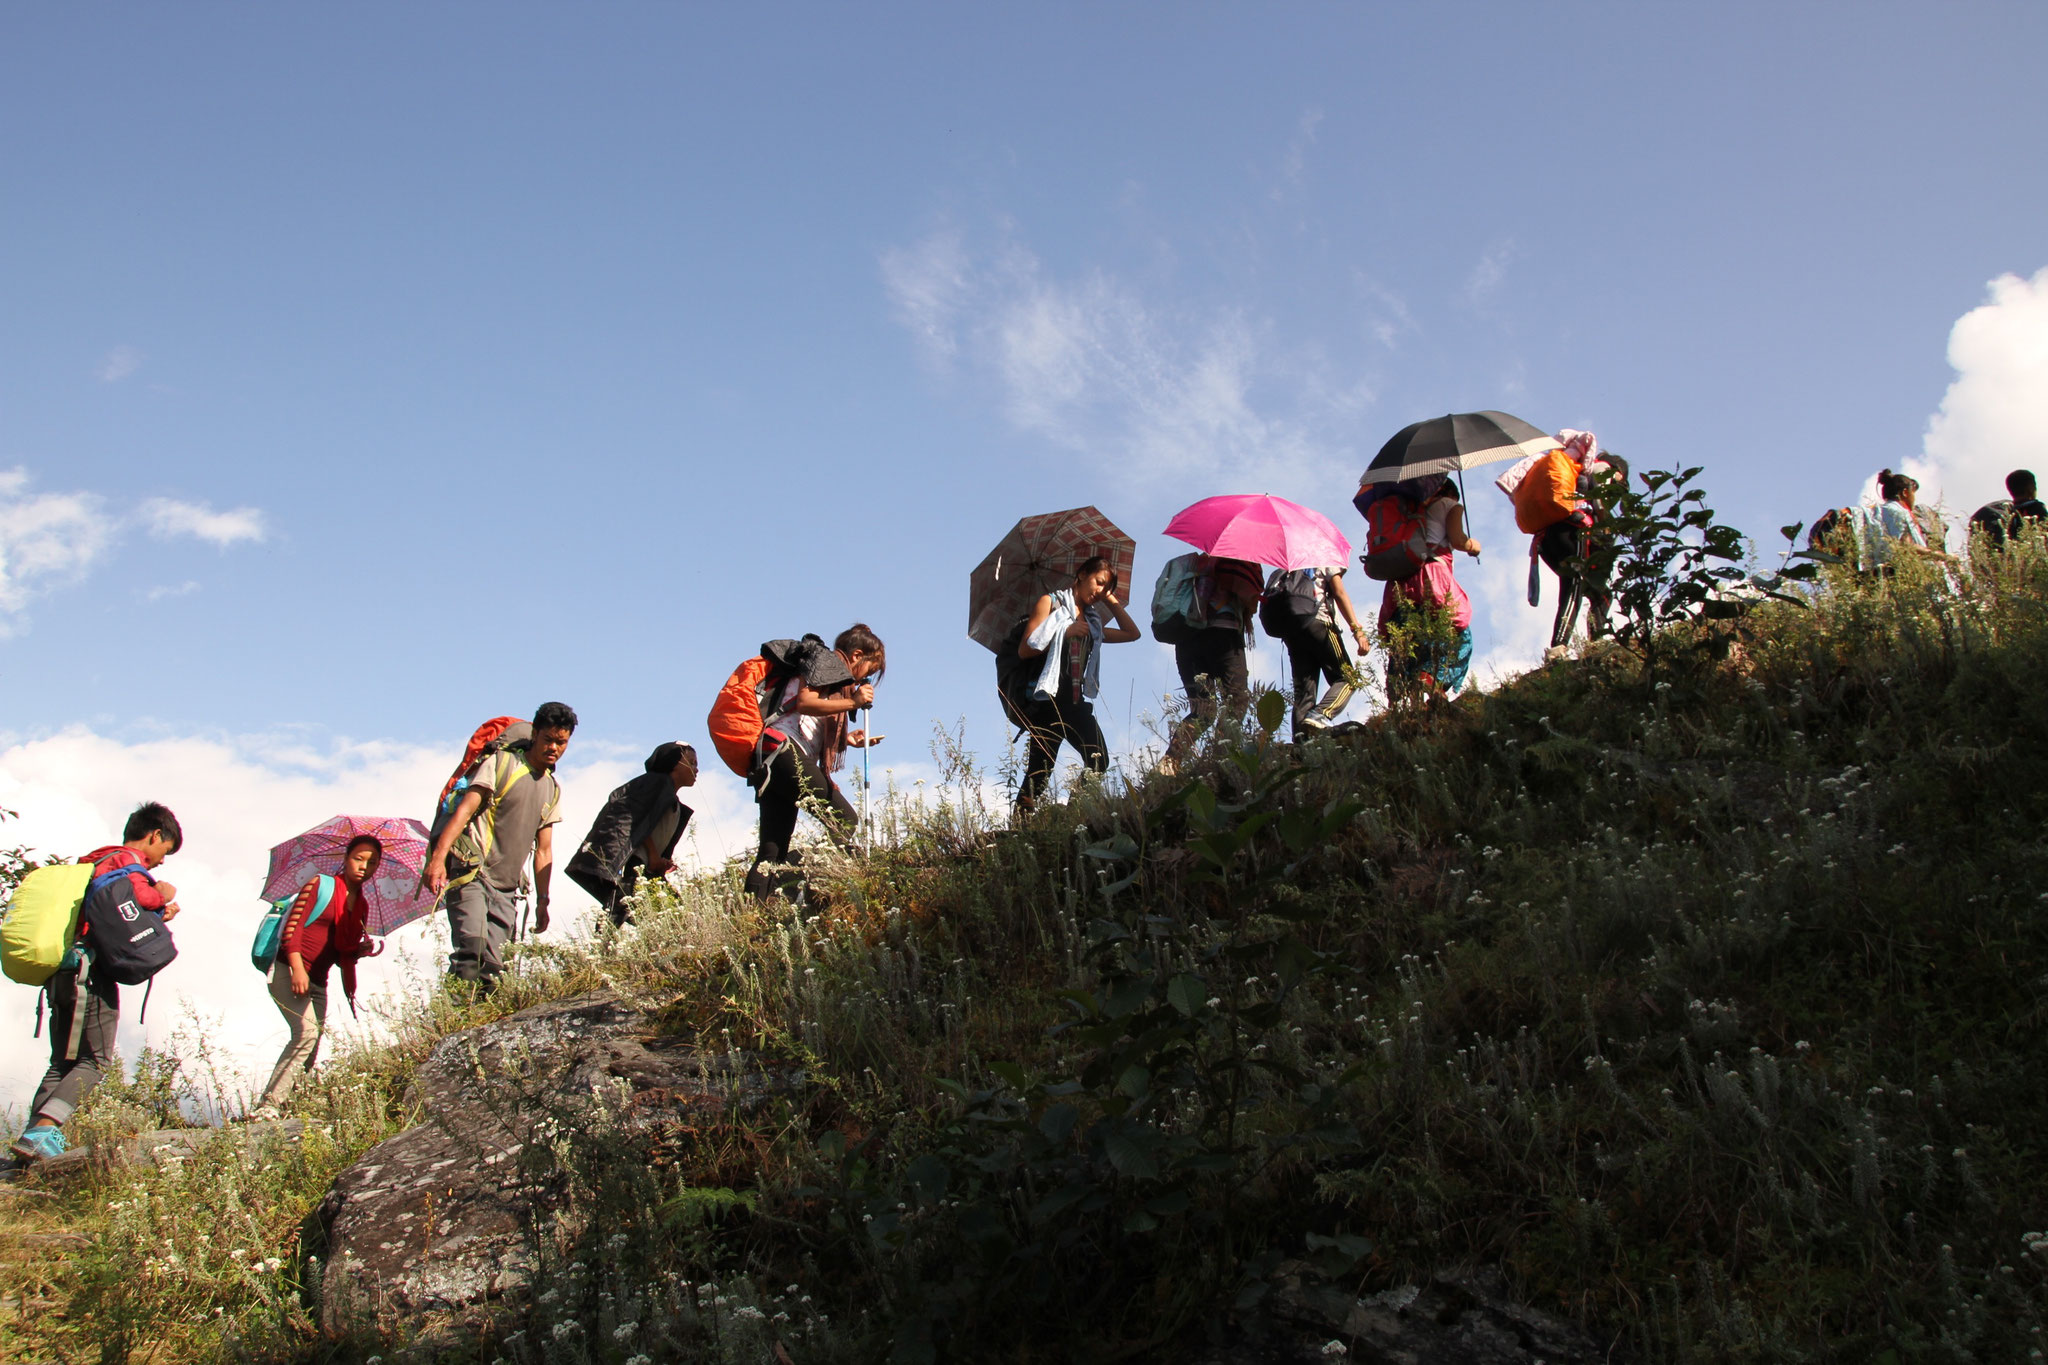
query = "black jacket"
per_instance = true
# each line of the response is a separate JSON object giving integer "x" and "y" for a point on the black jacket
{"x": 609, "y": 861}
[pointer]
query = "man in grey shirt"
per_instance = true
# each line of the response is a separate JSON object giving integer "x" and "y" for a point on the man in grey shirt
{"x": 479, "y": 861}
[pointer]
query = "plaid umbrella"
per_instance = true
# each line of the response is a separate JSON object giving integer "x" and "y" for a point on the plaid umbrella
{"x": 1460, "y": 440}
{"x": 1040, "y": 555}
{"x": 392, "y": 897}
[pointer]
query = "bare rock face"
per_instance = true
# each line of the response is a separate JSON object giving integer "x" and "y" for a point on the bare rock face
{"x": 445, "y": 1220}
{"x": 1454, "y": 1319}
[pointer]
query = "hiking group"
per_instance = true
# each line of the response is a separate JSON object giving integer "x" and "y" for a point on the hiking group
{"x": 1045, "y": 602}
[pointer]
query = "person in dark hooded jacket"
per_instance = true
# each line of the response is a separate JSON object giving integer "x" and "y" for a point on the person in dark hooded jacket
{"x": 636, "y": 830}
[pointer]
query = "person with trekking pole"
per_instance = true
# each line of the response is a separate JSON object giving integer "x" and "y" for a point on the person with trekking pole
{"x": 815, "y": 729}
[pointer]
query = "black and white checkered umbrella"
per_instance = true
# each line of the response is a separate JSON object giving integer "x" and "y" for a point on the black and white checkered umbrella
{"x": 1460, "y": 440}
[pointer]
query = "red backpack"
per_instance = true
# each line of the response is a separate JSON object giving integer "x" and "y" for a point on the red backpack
{"x": 500, "y": 732}
{"x": 1394, "y": 545}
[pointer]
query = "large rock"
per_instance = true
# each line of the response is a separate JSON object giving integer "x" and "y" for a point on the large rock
{"x": 445, "y": 1220}
{"x": 1453, "y": 1319}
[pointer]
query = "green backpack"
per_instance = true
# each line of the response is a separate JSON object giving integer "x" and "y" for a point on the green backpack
{"x": 42, "y": 921}
{"x": 263, "y": 952}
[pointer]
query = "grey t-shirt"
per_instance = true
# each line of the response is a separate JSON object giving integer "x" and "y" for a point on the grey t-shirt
{"x": 518, "y": 805}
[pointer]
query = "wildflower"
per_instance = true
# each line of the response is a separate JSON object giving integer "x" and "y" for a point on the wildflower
{"x": 746, "y": 1312}
{"x": 1333, "y": 1349}
{"x": 623, "y": 1331}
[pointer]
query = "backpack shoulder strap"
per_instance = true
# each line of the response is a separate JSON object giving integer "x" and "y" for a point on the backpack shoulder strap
{"x": 321, "y": 899}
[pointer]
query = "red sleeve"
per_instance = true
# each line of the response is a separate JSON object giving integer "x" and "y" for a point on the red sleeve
{"x": 146, "y": 893}
{"x": 308, "y": 897}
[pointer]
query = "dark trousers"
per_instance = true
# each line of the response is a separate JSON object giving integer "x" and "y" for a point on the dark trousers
{"x": 1050, "y": 723}
{"x": 1317, "y": 657}
{"x": 1212, "y": 669}
{"x": 1563, "y": 547}
{"x": 791, "y": 778}
{"x": 83, "y": 1019}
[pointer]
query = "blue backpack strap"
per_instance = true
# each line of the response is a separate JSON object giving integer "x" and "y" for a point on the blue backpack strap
{"x": 321, "y": 899}
{"x": 103, "y": 878}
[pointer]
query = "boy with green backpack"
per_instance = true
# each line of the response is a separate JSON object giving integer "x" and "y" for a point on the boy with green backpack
{"x": 84, "y": 994}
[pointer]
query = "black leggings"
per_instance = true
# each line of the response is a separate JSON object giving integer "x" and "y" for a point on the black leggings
{"x": 1051, "y": 723}
{"x": 1563, "y": 547}
{"x": 791, "y": 777}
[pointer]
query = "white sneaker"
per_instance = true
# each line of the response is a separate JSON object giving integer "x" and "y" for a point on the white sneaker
{"x": 1315, "y": 720}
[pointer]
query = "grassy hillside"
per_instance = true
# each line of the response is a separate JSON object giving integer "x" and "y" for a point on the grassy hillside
{"x": 1705, "y": 1001}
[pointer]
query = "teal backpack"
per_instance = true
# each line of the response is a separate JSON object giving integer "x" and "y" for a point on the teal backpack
{"x": 263, "y": 952}
{"x": 1177, "y": 614}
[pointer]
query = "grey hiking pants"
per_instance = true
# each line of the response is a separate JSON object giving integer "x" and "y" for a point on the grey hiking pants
{"x": 83, "y": 1019}
{"x": 481, "y": 919}
{"x": 307, "y": 1016}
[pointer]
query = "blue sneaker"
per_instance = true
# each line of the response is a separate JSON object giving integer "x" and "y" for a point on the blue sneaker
{"x": 40, "y": 1144}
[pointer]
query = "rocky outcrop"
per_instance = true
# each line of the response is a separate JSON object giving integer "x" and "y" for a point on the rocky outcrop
{"x": 1453, "y": 1319}
{"x": 446, "y": 1219}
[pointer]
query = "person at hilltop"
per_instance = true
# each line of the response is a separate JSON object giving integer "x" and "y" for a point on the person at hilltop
{"x": 1996, "y": 523}
{"x": 1315, "y": 651}
{"x": 1211, "y": 663}
{"x": 85, "y": 1003}
{"x": 1892, "y": 522}
{"x": 1426, "y": 618}
{"x": 815, "y": 725}
{"x": 1049, "y": 693}
{"x": 479, "y": 861}
{"x": 636, "y": 831}
{"x": 325, "y": 928}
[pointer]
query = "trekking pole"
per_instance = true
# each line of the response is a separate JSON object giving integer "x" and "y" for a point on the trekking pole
{"x": 867, "y": 788}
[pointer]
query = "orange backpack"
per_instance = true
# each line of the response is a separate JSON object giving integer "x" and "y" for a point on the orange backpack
{"x": 746, "y": 704}
{"x": 1548, "y": 493}
{"x": 736, "y": 719}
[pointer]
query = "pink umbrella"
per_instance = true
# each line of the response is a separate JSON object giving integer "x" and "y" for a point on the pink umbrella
{"x": 1262, "y": 529}
{"x": 392, "y": 897}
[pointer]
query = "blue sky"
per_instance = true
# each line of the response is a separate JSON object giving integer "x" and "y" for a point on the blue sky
{"x": 371, "y": 370}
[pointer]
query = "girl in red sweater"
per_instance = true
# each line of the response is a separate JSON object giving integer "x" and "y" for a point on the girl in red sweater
{"x": 305, "y": 955}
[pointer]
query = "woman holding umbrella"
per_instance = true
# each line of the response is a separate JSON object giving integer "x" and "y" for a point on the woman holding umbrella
{"x": 326, "y": 926}
{"x": 1064, "y": 634}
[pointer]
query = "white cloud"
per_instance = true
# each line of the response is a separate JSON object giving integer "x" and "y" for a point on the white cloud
{"x": 1490, "y": 271}
{"x": 45, "y": 539}
{"x": 164, "y": 590}
{"x": 1294, "y": 162}
{"x": 1093, "y": 366}
{"x": 173, "y": 517}
{"x": 1994, "y": 417}
{"x": 238, "y": 795}
{"x": 119, "y": 363}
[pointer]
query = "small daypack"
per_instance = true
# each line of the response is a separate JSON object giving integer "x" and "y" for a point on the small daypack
{"x": 1177, "y": 610}
{"x": 270, "y": 933}
{"x": 1015, "y": 675}
{"x": 42, "y": 921}
{"x": 1548, "y": 493}
{"x": 743, "y": 714}
{"x": 1394, "y": 544}
{"x": 1288, "y": 610}
{"x": 129, "y": 942}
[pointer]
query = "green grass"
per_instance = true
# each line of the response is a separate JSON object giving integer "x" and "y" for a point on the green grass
{"x": 1707, "y": 1004}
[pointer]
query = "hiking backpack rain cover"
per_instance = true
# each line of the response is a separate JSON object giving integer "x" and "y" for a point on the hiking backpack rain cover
{"x": 1548, "y": 493}
{"x": 42, "y": 921}
{"x": 129, "y": 943}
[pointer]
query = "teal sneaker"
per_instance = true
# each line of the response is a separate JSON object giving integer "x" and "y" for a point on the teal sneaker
{"x": 40, "y": 1144}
